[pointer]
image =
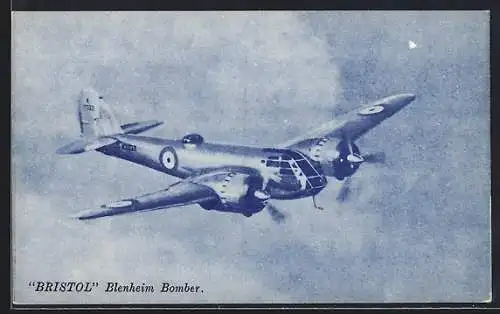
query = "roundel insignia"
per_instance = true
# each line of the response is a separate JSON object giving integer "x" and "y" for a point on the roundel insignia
{"x": 168, "y": 158}
{"x": 371, "y": 110}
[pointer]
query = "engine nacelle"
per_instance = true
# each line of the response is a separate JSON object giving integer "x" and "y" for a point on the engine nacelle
{"x": 237, "y": 193}
{"x": 335, "y": 158}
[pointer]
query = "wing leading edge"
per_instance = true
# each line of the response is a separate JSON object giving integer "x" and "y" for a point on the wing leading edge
{"x": 178, "y": 194}
{"x": 356, "y": 123}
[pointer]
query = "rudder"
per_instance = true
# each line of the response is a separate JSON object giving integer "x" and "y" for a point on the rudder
{"x": 98, "y": 125}
{"x": 95, "y": 116}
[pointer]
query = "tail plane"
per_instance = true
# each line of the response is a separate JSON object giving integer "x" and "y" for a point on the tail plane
{"x": 98, "y": 124}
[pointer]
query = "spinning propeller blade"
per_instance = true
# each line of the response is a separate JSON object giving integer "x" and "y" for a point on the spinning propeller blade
{"x": 276, "y": 215}
{"x": 344, "y": 190}
{"x": 375, "y": 158}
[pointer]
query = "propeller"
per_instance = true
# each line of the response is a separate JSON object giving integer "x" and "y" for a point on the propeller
{"x": 345, "y": 189}
{"x": 270, "y": 174}
{"x": 276, "y": 215}
{"x": 375, "y": 158}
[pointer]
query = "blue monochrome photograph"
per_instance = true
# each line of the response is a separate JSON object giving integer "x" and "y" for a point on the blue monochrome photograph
{"x": 233, "y": 157}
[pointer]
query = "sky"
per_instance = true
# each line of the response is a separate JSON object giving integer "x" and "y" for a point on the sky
{"x": 414, "y": 230}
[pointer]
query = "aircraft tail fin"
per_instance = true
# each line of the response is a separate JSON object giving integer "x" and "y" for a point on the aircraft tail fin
{"x": 98, "y": 124}
{"x": 97, "y": 119}
{"x": 95, "y": 116}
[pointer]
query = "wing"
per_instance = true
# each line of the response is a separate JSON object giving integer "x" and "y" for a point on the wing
{"x": 178, "y": 194}
{"x": 356, "y": 123}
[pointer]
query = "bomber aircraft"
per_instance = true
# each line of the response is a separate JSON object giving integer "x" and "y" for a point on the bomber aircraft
{"x": 230, "y": 178}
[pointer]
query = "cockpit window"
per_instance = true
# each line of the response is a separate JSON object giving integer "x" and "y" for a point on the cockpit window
{"x": 271, "y": 163}
{"x": 284, "y": 164}
{"x": 294, "y": 168}
{"x": 315, "y": 181}
{"x": 286, "y": 172}
{"x": 296, "y": 155}
{"x": 306, "y": 168}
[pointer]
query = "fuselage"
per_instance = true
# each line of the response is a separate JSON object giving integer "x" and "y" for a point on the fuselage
{"x": 289, "y": 174}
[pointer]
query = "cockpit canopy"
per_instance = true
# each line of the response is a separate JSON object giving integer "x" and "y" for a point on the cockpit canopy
{"x": 192, "y": 139}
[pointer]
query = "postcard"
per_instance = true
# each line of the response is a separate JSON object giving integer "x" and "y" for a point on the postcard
{"x": 262, "y": 157}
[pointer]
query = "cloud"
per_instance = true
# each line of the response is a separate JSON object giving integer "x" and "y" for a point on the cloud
{"x": 413, "y": 231}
